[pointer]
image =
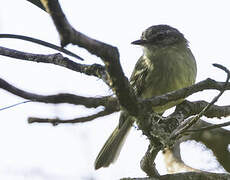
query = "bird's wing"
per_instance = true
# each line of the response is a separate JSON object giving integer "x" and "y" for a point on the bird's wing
{"x": 137, "y": 79}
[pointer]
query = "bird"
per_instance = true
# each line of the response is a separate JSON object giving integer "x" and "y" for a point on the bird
{"x": 167, "y": 64}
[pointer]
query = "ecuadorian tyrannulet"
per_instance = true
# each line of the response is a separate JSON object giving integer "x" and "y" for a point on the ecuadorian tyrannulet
{"x": 167, "y": 64}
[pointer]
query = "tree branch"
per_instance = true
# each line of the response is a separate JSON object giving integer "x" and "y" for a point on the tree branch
{"x": 114, "y": 76}
{"x": 109, "y": 54}
{"x": 37, "y": 3}
{"x": 43, "y": 43}
{"x": 75, "y": 120}
{"x": 207, "y": 84}
{"x": 187, "y": 108}
{"x": 187, "y": 175}
{"x": 57, "y": 59}
{"x": 147, "y": 162}
{"x": 89, "y": 102}
{"x": 209, "y": 127}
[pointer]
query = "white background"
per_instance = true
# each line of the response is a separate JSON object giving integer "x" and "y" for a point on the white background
{"x": 41, "y": 151}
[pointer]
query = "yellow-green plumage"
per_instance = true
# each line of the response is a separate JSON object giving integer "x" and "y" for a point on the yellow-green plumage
{"x": 167, "y": 64}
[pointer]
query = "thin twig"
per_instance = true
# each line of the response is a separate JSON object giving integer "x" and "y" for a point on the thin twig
{"x": 43, "y": 43}
{"x": 76, "y": 120}
{"x": 185, "y": 92}
{"x": 1, "y": 109}
{"x": 209, "y": 127}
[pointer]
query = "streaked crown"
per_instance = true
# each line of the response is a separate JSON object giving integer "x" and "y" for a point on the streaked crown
{"x": 160, "y": 35}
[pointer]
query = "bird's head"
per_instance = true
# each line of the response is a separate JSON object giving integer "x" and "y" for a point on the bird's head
{"x": 160, "y": 35}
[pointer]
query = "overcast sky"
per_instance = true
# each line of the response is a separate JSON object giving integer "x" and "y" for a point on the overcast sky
{"x": 41, "y": 151}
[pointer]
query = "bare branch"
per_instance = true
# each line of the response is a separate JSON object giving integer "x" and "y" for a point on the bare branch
{"x": 187, "y": 175}
{"x": 147, "y": 162}
{"x": 207, "y": 84}
{"x": 37, "y": 3}
{"x": 109, "y": 54}
{"x": 57, "y": 59}
{"x": 75, "y": 120}
{"x": 89, "y": 102}
{"x": 43, "y": 43}
{"x": 195, "y": 107}
{"x": 192, "y": 108}
{"x": 209, "y": 127}
{"x": 69, "y": 35}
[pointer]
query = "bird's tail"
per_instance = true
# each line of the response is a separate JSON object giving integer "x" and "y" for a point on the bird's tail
{"x": 113, "y": 145}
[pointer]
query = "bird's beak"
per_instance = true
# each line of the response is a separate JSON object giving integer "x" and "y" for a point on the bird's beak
{"x": 139, "y": 42}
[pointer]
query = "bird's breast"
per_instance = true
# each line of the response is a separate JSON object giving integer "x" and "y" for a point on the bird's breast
{"x": 169, "y": 71}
